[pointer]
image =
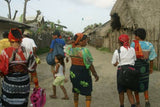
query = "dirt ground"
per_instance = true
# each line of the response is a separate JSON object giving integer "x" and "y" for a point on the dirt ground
{"x": 104, "y": 91}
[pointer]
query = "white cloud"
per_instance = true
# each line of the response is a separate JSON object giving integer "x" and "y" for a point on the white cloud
{"x": 98, "y": 3}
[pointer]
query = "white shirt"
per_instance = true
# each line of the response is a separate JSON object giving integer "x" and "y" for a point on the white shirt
{"x": 60, "y": 71}
{"x": 127, "y": 56}
{"x": 28, "y": 43}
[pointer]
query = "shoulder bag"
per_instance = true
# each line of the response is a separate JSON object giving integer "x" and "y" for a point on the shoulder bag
{"x": 128, "y": 76}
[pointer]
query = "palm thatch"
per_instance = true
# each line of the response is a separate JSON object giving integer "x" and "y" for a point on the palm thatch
{"x": 138, "y": 14}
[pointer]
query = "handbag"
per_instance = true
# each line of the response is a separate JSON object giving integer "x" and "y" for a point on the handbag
{"x": 38, "y": 97}
{"x": 58, "y": 49}
{"x": 128, "y": 76}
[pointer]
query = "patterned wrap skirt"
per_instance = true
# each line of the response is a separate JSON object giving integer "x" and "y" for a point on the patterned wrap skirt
{"x": 81, "y": 80}
{"x": 143, "y": 67}
{"x": 15, "y": 90}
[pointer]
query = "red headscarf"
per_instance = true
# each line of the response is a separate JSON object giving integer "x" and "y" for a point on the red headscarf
{"x": 12, "y": 37}
{"x": 79, "y": 37}
{"x": 125, "y": 40}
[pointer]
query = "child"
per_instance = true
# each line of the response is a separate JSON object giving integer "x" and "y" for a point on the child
{"x": 127, "y": 58}
{"x": 59, "y": 77}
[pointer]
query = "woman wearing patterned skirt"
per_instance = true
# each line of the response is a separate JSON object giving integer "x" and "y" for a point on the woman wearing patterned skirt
{"x": 81, "y": 69}
{"x": 15, "y": 64}
{"x": 145, "y": 54}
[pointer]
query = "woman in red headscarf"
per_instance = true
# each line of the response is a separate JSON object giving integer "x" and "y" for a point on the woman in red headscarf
{"x": 15, "y": 64}
{"x": 125, "y": 56}
{"x": 82, "y": 64}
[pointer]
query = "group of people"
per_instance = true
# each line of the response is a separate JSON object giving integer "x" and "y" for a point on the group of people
{"x": 139, "y": 55}
{"x": 80, "y": 70}
{"x": 17, "y": 60}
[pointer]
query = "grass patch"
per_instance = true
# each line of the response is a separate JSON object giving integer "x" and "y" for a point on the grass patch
{"x": 42, "y": 51}
{"x": 104, "y": 49}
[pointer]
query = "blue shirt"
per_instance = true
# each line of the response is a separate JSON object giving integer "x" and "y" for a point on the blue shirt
{"x": 61, "y": 41}
{"x": 147, "y": 46}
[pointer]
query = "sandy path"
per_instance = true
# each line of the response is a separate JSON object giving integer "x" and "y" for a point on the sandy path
{"x": 104, "y": 91}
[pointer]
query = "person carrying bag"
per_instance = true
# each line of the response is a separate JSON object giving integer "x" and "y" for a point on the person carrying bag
{"x": 125, "y": 60}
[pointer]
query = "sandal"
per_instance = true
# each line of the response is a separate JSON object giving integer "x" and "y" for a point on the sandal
{"x": 53, "y": 96}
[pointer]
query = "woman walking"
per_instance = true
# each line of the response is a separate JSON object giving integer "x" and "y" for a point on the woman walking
{"x": 145, "y": 54}
{"x": 82, "y": 64}
{"x": 15, "y": 64}
{"x": 124, "y": 58}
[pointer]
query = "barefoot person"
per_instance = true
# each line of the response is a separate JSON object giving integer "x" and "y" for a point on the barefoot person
{"x": 81, "y": 68}
{"x": 16, "y": 62}
{"x": 127, "y": 58}
{"x": 59, "y": 76}
{"x": 145, "y": 54}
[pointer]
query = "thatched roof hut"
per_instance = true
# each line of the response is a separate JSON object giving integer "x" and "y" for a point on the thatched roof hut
{"x": 138, "y": 14}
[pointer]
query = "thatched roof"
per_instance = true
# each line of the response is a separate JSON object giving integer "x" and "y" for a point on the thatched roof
{"x": 138, "y": 13}
{"x": 100, "y": 30}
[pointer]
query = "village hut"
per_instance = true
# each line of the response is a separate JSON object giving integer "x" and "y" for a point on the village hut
{"x": 127, "y": 15}
{"x": 6, "y": 24}
{"x": 99, "y": 35}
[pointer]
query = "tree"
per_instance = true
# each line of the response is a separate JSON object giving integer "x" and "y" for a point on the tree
{"x": 9, "y": 9}
{"x": 24, "y": 14}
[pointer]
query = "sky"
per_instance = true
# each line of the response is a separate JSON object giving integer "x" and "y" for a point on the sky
{"x": 75, "y": 14}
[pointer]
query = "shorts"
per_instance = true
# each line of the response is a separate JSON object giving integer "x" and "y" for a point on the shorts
{"x": 59, "y": 81}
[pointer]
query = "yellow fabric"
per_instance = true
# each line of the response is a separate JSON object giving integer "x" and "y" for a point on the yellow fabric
{"x": 59, "y": 81}
{"x": 38, "y": 61}
{"x": 4, "y": 43}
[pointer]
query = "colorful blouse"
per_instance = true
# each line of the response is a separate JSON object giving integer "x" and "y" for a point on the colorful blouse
{"x": 80, "y": 52}
{"x": 147, "y": 46}
{"x": 12, "y": 59}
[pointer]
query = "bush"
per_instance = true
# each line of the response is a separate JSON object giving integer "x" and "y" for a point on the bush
{"x": 41, "y": 51}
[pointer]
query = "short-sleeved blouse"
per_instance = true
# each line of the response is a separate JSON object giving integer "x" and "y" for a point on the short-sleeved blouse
{"x": 147, "y": 46}
{"x": 80, "y": 52}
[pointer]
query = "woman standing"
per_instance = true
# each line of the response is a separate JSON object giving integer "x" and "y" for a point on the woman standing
{"x": 15, "y": 64}
{"x": 124, "y": 58}
{"x": 145, "y": 54}
{"x": 80, "y": 74}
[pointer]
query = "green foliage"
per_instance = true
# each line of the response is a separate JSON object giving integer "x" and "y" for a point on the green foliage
{"x": 42, "y": 50}
{"x": 104, "y": 49}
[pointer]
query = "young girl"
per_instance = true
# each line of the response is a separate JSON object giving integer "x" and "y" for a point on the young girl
{"x": 59, "y": 77}
{"x": 127, "y": 58}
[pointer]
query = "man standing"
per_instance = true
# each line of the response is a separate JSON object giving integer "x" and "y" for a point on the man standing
{"x": 29, "y": 43}
{"x": 56, "y": 34}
